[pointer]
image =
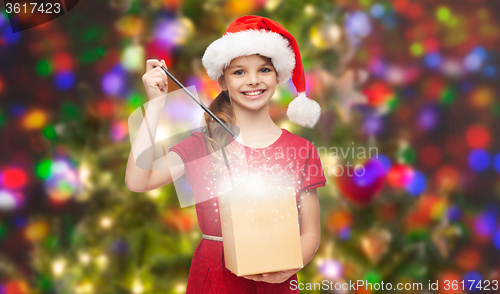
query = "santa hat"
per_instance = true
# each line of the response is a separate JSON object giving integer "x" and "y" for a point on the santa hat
{"x": 253, "y": 34}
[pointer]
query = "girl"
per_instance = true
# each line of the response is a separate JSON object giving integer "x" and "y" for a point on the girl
{"x": 253, "y": 56}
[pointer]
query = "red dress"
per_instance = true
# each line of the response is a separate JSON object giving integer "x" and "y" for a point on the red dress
{"x": 208, "y": 273}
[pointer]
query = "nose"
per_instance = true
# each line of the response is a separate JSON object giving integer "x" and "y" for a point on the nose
{"x": 253, "y": 79}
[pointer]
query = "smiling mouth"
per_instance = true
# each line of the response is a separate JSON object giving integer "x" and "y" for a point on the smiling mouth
{"x": 253, "y": 93}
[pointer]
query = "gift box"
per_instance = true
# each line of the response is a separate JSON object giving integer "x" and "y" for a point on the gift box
{"x": 260, "y": 229}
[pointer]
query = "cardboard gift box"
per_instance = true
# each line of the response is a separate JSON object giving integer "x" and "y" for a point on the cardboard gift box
{"x": 260, "y": 229}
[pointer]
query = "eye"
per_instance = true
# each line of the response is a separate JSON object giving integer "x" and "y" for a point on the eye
{"x": 236, "y": 72}
{"x": 268, "y": 70}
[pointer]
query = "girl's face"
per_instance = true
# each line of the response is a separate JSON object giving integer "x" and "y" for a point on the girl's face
{"x": 251, "y": 81}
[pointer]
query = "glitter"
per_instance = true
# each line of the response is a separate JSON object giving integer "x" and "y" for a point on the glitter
{"x": 216, "y": 210}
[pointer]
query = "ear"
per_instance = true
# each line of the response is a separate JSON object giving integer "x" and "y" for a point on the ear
{"x": 222, "y": 83}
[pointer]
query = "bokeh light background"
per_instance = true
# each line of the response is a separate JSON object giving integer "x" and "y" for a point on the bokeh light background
{"x": 419, "y": 78}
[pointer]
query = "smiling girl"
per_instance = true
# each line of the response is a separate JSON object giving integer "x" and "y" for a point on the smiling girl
{"x": 254, "y": 55}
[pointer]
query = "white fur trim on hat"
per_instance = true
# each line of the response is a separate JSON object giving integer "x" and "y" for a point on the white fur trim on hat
{"x": 266, "y": 43}
{"x": 304, "y": 111}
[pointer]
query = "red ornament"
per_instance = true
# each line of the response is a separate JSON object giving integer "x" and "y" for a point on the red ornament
{"x": 14, "y": 178}
{"x": 156, "y": 50}
{"x": 399, "y": 175}
{"x": 378, "y": 93}
{"x": 360, "y": 187}
{"x": 339, "y": 220}
{"x": 105, "y": 107}
{"x": 62, "y": 62}
{"x": 179, "y": 220}
{"x": 16, "y": 287}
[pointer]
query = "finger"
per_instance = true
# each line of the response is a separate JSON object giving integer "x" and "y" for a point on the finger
{"x": 249, "y": 277}
{"x": 151, "y": 63}
{"x": 155, "y": 81}
{"x": 257, "y": 277}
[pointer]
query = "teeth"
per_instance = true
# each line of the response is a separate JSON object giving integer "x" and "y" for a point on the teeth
{"x": 253, "y": 93}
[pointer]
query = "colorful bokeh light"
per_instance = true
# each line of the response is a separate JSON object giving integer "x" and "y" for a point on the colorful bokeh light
{"x": 479, "y": 160}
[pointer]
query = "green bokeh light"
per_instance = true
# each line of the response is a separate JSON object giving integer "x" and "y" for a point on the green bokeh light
{"x": 134, "y": 101}
{"x": 408, "y": 155}
{"x": 372, "y": 277}
{"x": 3, "y": 230}
{"x": 92, "y": 55}
{"x": 365, "y": 3}
{"x": 43, "y": 283}
{"x": 93, "y": 33}
{"x": 51, "y": 243}
{"x": 71, "y": 111}
{"x": 43, "y": 169}
{"x": 416, "y": 49}
{"x": 447, "y": 96}
{"x": 3, "y": 118}
{"x": 49, "y": 132}
{"x": 418, "y": 234}
{"x": 44, "y": 67}
{"x": 393, "y": 103}
{"x": 443, "y": 13}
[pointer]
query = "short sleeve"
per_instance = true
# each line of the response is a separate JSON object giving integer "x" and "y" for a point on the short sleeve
{"x": 189, "y": 150}
{"x": 313, "y": 175}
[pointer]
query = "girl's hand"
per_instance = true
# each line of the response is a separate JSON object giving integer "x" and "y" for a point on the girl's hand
{"x": 155, "y": 80}
{"x": 273, "y": 277}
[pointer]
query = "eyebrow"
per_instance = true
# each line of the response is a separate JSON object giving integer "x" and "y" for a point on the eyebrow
{"x": 234, "y": 66}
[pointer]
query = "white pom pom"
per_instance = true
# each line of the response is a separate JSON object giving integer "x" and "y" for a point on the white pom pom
{"x": 304, "y": 111}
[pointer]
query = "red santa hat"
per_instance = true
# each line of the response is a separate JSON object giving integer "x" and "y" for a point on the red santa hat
{"x": 253, "y": 34}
